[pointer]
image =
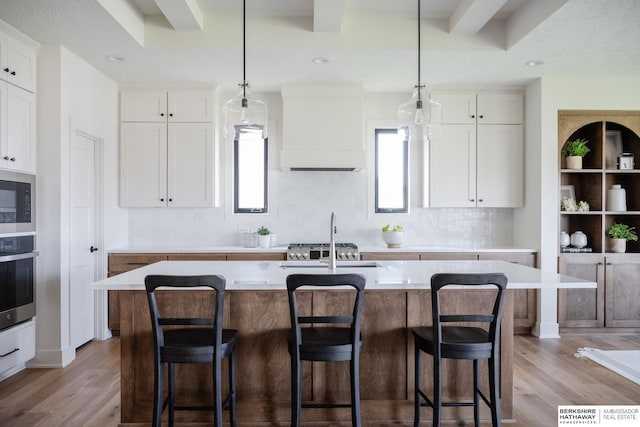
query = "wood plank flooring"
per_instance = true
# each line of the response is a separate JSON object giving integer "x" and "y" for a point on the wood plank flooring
{"x": 546, "y": 374}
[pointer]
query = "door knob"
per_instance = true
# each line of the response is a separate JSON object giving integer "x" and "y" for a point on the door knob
{"x": 93, "y": 249}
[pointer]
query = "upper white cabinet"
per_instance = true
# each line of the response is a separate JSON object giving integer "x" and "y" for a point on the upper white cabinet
{"x": 17, "y": 129}
{"x": 167, "y": 162}
{"x": 479, "y": 159}
{"x": 163, "y": 106}
{"x": 17, "y": 62}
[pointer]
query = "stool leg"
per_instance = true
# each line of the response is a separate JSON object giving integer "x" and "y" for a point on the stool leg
{"x": 476, "y": 396}
{"x": 437, "y": 390}
{"x": 494, "y": 381}
{"x": 172, "y": 395}
{"x": 217, "y": 390}
{"x": 232, "y": 387}
{"x": 296, "y": 386}
{"x": 416, "y": 394}
{"x": 355, "y": 391}
{"x": 158, "y": 392}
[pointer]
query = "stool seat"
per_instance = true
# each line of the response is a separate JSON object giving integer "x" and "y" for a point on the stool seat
{"x": 457, "y": 342}
{"x": 194, "y": 345}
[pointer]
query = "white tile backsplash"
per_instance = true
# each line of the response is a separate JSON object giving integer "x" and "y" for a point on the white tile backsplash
{"x": 304, "y": 203}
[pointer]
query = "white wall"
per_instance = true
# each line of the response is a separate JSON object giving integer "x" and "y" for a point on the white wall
{"x": 301, "y": 203}
{"x": 70, "y": 94}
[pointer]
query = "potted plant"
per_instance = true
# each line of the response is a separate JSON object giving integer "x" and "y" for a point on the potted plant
{"x": 619, "y": 234}
{"x": 574, "y": 151}
{"x": 264, "y": 237}
{"x": 393, "y": 236}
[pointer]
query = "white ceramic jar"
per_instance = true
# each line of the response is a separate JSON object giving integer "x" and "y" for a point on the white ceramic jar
{"x": 565, "y": 240}
{"x": 616, "y": 198}
{"x": 578, "y": 239}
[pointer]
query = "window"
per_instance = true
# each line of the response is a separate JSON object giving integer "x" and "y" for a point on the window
{"x": 250, "y": 171}
{"x": 391, "y": 169}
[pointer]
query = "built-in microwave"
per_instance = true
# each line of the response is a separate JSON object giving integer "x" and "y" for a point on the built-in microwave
{"x": 17, "y": 202}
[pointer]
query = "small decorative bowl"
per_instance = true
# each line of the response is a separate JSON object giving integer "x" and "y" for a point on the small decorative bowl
{"x": 393, "y": 239}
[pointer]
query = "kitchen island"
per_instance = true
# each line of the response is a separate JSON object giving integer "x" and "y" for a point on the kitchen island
{"x": 396, "y": 298}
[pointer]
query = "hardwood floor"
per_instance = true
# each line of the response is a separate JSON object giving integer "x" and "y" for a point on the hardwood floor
{"x": 546, "y": 374}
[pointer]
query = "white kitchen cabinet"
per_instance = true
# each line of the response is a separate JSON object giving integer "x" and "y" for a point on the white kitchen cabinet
{"x": 473, "y": 163}
{"x": 17, "y": 62}
{"x": 163, "y": 106}
{"x": 17, "y": 129}
{"x": 17, "y": 346}
{"x": 166, "y": 165}
{"x": 167, "y": 148}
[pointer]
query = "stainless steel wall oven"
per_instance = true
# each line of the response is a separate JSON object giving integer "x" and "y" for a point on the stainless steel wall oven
{"x": 17, "y": 280}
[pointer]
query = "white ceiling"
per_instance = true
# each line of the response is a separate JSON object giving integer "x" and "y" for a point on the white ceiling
{"x": 368, "y": 42}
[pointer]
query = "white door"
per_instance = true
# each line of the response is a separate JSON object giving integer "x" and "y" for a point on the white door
{"x": 82, "y": 269}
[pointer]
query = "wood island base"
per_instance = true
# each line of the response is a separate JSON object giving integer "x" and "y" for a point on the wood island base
{"x": 263, "y": 368}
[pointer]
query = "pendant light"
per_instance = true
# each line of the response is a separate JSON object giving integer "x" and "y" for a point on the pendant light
{"x": 244, "y": 110}
{"x": 420, "y": 117}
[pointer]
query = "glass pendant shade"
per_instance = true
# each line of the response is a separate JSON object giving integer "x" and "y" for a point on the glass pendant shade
{"x": 420, "y": 117}
{"x": 245, "y": 110}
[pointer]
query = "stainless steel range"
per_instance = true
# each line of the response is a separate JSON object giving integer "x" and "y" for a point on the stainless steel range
{"x": 320, "y": 251}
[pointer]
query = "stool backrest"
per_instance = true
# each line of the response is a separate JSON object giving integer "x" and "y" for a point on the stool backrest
{"x": 214, "y": 282}
{"x": 441, "y": 280}
{"x": 324, "y": 281}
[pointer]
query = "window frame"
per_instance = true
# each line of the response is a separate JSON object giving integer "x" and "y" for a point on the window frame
{"x": 405, "y": 189}
{"x": 236, "y": 175}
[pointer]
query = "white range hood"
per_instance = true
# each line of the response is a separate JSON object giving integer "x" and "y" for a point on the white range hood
{"x": 322, "y": 128}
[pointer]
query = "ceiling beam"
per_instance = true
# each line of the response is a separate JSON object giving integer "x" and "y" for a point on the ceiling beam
{"x": 471, "y": 15}
{"x": 328, "y": 15}
{"x": 127, "y": 16}
{"x": 181, "y": 14}
{"x": 528, "y": 17}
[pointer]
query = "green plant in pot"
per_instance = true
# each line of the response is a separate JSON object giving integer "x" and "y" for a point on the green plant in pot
{"x": 618, "y": 236}
{"x": 574, "y": 151}
{"x": 264, "y": 237}
{"x": 393, "y": 236}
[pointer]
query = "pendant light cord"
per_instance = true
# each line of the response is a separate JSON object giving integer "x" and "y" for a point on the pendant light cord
{"x": 419, "y": 84}
{"x": 244, "y": 49}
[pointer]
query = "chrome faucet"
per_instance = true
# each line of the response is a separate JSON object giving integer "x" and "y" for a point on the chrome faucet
{"x": 332, "y": 244}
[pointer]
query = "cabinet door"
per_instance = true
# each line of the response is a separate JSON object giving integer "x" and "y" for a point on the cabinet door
{"x": 20, "y": 152}
{"x": 190, "y": 165}
{"x": 500, "y": 163}
{"x": 143, "y": 165}
{"x": 457, "y": 108}
{"x": 452, "y": 169}
{"x": 582, "y": 307}
{"x": 18, "y": 63}
{"x": 193, "y": 106}
{"x": 623, "y": 291}
{"x": 143, "y": 106}
{"x": 500, "y": 108}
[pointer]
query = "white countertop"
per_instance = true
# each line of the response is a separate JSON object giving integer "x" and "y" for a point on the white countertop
{"x": 388, "y": 275}
{"x": 283, "y": 248}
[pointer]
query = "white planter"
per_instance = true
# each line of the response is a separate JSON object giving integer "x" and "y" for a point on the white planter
{"x": 574, "y": 162}
{"x": 393, "y": 239}
{"x": 618, "y": 245}
{"x": 265, "y": 241}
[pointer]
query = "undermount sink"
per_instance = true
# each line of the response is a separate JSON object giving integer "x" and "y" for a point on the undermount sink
{"x": 320, "y": 264}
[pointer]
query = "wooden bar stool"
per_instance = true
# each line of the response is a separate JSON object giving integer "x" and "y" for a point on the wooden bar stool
{"x": 461, "y": 342}
{"x": 196, "y": 340}
{"x": 325, "y": 343}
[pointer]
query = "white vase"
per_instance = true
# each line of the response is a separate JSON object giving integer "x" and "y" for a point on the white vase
{"x": 393, "y": 239}
{"x": 616, "y": 199}
{"x": 618, "y": 245}
{"x": 574, "y": 162}
{"x": 565, "y": 240}
{"x": 265, "y": 240}
{"x": 578, "y": 239}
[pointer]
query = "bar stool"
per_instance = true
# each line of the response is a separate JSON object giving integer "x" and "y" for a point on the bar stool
{"x": 198, "y": 340}
{"x": 325, "y": 343}
{"x": 461, "y": 342}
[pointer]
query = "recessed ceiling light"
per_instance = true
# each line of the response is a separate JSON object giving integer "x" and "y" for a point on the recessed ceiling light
{"x": 320, "y": 60}
{"x": 534, "y": 63}
{"x": 115, "y": 58}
